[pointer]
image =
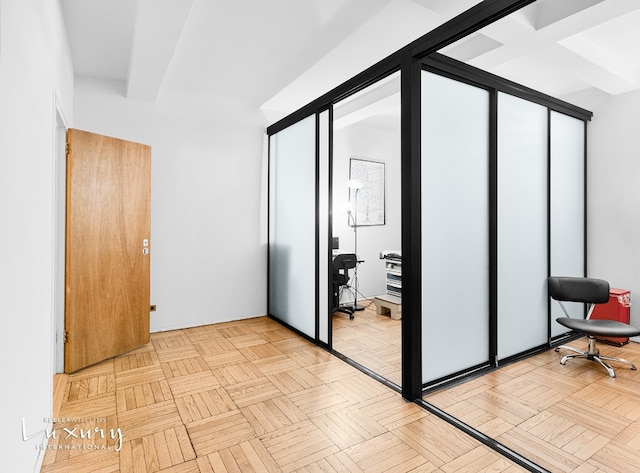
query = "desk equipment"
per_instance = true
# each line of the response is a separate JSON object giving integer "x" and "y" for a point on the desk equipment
{"x": 589, "y": 291}
{"x": 391, "y": 302}
{"x": 393, "y": 268}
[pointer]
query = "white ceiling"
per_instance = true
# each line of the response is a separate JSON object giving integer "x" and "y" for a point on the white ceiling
{"x": 580, "y": 50}
{"x": 281, "y": 54}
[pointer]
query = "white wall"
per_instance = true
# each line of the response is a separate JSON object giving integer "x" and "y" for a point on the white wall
{"x": 35, "y": 65}
{"x": 208, "y": 207}
{"x": 613, "y": 193}
{"x": 377, "y": 145}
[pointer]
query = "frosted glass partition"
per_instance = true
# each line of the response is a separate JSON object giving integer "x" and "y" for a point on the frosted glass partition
{"x": 567, "y": 206}
{"x": 292, "y": 225}
{"x": 522, "y": 225}
{"x": 323, "y": 227}
{"x": 455, "y": 226}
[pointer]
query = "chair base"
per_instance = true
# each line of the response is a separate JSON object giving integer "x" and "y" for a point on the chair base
{"x": 593, "y": 354}
{"x": 345, "y": 310}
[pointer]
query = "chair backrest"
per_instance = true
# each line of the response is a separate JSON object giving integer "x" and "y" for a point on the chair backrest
{"x": 341, "y": 266}
{"x": 571, "y": 289}
{"x": 345, "y": 261}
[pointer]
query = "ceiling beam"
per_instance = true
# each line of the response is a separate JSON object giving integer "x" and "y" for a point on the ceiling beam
{"x": 520, "y": 40}
{"x": 159, "y": 24}
{"x": 593, "y": 73}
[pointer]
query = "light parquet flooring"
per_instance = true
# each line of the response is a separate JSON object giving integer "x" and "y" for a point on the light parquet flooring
{"x": 250, "y": 396}
{"x": 564, "y": 418}
{"x": 571, "y": 418}
{"x": 372, "y": 340}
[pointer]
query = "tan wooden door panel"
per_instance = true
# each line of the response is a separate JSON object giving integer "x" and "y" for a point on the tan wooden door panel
{"x": 108, "y": 244}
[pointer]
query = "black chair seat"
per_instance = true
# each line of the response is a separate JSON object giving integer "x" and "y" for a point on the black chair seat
{"x": 599, "y": 328}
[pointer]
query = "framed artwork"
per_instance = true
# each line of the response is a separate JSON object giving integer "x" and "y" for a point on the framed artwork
{"x": 368, "y": 202}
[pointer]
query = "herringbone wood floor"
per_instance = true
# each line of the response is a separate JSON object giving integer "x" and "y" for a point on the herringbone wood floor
{"x": 242, "y": 397}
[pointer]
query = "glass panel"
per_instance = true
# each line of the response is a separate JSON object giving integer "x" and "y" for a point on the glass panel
{"x": 292, "y": 225}
{"x": 567, "y": 207}
{"x": 366, "y": 147}
{"x": 323, "y": 228}
{"x": 522, "y": 225}
{"x": 455, "y": 231}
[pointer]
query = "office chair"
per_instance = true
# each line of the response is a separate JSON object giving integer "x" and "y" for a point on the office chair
{"x": 341, "y": 266}
{"x": 589, "y": 291}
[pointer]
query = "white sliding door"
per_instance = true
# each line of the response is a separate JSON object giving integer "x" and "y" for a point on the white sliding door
{"x": 567, "y": 206}
{"x": 522, "y": 225}
{"x": 292, "y": 225}
{"x": 455, "y": 226}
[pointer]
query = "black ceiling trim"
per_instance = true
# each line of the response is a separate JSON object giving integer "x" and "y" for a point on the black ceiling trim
{"x": 378, "y": 71}
{"x": 472, "y": 20}
{"x": 456, "y": 69}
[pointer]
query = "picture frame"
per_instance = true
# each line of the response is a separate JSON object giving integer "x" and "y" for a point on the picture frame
{"x": 369, "y": 210}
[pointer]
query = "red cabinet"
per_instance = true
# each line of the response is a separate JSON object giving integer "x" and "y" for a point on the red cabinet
{"x": 618, "y": 308}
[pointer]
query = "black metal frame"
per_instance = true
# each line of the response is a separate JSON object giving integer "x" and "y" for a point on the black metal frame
{"x": 317, "y": 232}
{"x": 482, "y": 14}
{"x": 410, "y": 60}
{"x": 483, "y": 438}
{"x": 455, "y": 70}
{"x": 329, "y": 282}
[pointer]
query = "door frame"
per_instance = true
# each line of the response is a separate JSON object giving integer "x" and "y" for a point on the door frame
{"x": 58, "y": 232}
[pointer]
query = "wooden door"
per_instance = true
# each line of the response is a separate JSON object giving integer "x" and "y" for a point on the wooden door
{"x": 108, "y": 244}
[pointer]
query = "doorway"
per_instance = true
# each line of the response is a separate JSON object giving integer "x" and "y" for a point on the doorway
{"x": 366, "y": 221}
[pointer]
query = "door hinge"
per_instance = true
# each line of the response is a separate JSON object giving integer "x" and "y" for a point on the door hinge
{"x": 67, "y": 150}
{"x": 65, "y": 337}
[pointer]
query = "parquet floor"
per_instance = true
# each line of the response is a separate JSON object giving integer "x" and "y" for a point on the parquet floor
{"x": 564, "y": 418}
{"x": 571, "y": 418}
{"x": 246, "y": 396}
{"x": 372, "y": 340}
